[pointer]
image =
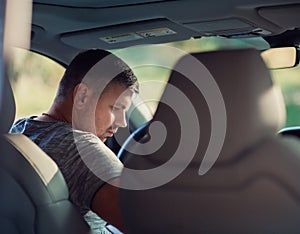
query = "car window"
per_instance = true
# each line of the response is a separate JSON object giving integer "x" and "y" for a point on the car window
{"x": 289, "y": 82}
{"x": 34, "y": 79}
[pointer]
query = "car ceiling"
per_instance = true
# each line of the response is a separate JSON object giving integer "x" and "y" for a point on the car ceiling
{"x": 61, "y": 28}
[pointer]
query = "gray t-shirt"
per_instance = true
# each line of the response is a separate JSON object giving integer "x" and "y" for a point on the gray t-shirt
{"x": 85, "y": 161}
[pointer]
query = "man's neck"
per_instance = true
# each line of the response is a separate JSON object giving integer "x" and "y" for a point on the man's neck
{"x": 59, "y": 111}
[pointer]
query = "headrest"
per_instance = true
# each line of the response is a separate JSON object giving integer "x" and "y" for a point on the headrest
{"x": 233, "y": 98}
{"x": 47, "y": 184}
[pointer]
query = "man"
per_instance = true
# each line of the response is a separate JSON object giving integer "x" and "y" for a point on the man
{"x": 93, "y": 96}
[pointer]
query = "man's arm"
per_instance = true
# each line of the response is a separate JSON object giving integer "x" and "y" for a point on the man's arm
{"x": 107, "y": 205}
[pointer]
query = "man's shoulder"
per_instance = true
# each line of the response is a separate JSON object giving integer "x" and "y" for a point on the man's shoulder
{"x": 36, "y": 129}
{"x": 52, "y": 134}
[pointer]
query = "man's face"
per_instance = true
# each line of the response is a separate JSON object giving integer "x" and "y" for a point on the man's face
{"x": 110, "y": 110}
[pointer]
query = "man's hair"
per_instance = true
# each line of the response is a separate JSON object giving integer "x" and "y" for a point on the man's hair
{"x": 85, "y": 61}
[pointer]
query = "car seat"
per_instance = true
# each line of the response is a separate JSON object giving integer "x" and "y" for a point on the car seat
{"x": 252, "y": 187}
{"x": 33, "y": 194}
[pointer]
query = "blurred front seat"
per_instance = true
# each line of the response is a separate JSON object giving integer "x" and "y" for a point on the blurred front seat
{"x": 254, "y": 185}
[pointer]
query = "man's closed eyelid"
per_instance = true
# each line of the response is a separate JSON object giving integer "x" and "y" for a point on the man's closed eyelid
{"x": 121, "y": 107}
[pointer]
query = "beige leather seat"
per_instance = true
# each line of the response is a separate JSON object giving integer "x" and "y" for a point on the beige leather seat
{"x": 253, "y": 187}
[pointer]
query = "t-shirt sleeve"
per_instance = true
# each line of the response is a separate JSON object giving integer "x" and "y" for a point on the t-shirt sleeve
{"x": 92, "y": 167}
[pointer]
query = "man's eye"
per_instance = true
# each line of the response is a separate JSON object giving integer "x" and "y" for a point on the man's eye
{"x": 116, "y": 108}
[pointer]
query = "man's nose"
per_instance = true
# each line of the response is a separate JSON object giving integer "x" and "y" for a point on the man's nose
{"x": 120, "y": 120}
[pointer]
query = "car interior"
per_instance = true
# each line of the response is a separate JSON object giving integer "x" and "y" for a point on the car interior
{"x": 212, "y": 144}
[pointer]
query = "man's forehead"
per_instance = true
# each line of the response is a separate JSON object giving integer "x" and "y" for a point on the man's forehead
{"x": 118, "y": 94}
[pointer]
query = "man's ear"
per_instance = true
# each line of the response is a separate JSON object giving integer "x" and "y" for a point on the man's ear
{"x": 81, "y": 94}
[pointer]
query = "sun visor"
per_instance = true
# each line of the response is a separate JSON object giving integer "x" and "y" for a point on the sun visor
{"x": 129, "y": 34}
{"x": 287, "y": 17}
